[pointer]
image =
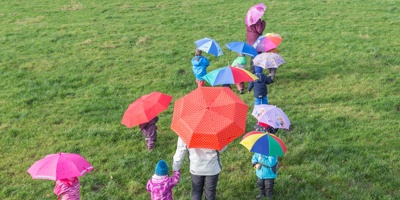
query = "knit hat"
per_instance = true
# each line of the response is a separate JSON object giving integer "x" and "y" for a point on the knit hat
{"x": 258, "y": 69}
{"x": 161, "y": 168}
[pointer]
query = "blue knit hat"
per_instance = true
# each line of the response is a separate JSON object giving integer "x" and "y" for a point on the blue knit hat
{"x": 161, "y": 168}
{"x": 258, "y": 69}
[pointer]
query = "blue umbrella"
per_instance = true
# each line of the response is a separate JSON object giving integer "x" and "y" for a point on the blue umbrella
{"x": 242, "y": 48}
{"x": 210, "y": 46}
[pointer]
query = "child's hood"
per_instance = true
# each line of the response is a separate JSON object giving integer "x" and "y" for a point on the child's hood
{"x": 157, "y": 179}
{"x": 197, "y": 60}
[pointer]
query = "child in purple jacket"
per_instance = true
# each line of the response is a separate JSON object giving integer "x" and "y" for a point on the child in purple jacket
{"x": 149, "y": 130}
{"x": 160, "y": 185}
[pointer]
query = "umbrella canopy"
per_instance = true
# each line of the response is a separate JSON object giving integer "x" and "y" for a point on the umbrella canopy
{"x": 145, "y": 109}
{"x": 60, "y": 166}
{"x": 229, "y": 75}
{"x": 209, "y": 117}
{"x": 271, "y": 115}
{"x": 268, "y": 60}
{"x": 264, "y": 143}
{"x": 210, "y": 46}
{"x": 242, "y": 48}
{"x": 264, "y": 44}
{"x": 274, "y": 37}
{"x": 254, "y": 14}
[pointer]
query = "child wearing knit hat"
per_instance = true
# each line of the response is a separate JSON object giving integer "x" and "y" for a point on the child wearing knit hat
{"x": 160, "y": 185}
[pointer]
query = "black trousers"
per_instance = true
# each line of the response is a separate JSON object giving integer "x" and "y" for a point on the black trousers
{"x": 266, "y": 187}
{"x": 209, "y": 183}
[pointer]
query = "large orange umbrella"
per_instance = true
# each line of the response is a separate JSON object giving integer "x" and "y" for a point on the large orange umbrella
{"x": 209, "y": 117}
{"x": 145, "y": 109}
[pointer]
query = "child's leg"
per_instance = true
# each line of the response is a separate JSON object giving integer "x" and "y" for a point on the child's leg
{"x": 200, "y": 83}
{"x": 261, "y": 186}
{"x": 257, "y": 101}
{"x": 272, "y": 71}
{"x": 269, "y": 187}
{"x": 151, "y": 137}
{"x": 264, "y": 100}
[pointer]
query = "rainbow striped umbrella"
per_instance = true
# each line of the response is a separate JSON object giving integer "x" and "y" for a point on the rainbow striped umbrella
{"x": 229, "y": 75}
{"x": 264, "y": 143}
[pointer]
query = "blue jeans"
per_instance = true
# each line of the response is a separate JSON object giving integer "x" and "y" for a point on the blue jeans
{"x": 262, "y": 100}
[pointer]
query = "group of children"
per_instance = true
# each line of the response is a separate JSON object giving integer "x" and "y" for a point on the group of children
{"x": 160, "y": 184}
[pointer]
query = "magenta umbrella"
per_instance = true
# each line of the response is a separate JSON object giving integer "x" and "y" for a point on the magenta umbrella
{"x": 60, "y": 166}
{"x": 254, "y": 14}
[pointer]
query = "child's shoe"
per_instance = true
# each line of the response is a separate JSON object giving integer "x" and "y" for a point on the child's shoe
{"x": 242, "y": 91}
{"x": 259, "y": 196}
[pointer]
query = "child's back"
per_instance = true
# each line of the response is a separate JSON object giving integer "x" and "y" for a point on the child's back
{"x": 160, "y": 185}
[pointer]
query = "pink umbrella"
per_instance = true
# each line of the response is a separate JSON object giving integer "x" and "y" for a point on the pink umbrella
{"x": 60, "y": 166}
{"x": 254, "y": 14}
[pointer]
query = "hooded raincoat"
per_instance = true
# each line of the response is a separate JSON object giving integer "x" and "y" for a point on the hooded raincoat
{"x": 160, "y": 187}
{"x": 200, "y": 64}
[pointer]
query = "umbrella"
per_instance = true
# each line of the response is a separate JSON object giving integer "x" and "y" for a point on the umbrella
{"x": 268, "y": 60}
{"x": 274, "y": 38}
{"x": 254, "y": 14}
{"x": 228, "y": 75}
{"x": 60, "y": 166}
{"x": 210, "y": 46}
{"x": 242, "y": 48}
{"x": 264, "y": 143}
{"x": 264, "y": 44}
{"x": 271, "y": 115}
{"x": 209, "y": 117}
{"x": 145, "y": 109}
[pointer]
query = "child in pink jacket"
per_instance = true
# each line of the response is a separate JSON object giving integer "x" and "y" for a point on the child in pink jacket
{"x": 160, "y": 185}
{"x": 67, "y": 188}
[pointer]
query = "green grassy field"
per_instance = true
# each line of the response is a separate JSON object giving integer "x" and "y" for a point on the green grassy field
{"x": 69, "y": 69}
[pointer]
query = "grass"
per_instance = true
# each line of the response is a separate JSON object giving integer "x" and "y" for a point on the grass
{"x": 70, "y": 69}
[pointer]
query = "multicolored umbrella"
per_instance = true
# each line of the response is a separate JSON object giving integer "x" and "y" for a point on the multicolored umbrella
{"x": 264, "y": 44}
{"x": 264, "y": 143}
{"x": 274, "y": 37}
{"x": 145, "y": 109}
{"x": 242, "y": 48}
{"x": 60, "y": 166}
{"x": 271, "y": 115}
{"x": 268, "y": 60}
{"x": 210, "y": 46}
{"x": 254, "y": 14}
{"x": 229, "y": 75}
{"x": 209, "y": 117}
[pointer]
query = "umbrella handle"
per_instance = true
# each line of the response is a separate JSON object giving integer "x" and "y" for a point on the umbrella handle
{"x": 159, "y": 130}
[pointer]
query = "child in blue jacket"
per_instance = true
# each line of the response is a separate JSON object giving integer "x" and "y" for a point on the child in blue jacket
{"x": 200, "y": 64}
{"x": 260, "y": 86}
{"x": 266, "y": 168}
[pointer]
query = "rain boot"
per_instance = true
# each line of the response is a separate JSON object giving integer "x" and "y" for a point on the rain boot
{"x": 269, "y": 188}
{"x": 261, "y": 186}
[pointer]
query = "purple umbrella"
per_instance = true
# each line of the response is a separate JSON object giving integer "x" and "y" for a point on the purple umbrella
{"x": 268, "y": 60}
{"x": 271, "y": 115}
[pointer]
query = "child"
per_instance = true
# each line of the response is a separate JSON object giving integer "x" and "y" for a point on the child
{"x": 67, "y": 188}
{"x": 272, "y": 71}
{"x": 265, "y": 128}
{"x": 160, "y": 185}
{"x": 260, "y": 86}
{"x": 240, "y": 62}
{"x": 200, "y": 64}
{"x": 266, "y": 168}
{"x": 149, "y": 130}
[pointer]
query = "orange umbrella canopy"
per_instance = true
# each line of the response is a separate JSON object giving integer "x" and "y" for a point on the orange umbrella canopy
{"x": 209, "y": 117}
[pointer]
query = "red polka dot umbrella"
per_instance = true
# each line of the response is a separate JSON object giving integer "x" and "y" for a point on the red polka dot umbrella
{"x": 209, "y": 117}
{"x": 60, "y": 166}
